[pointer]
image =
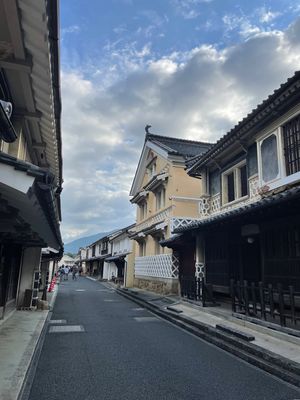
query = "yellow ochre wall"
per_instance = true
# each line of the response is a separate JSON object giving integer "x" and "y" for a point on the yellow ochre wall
{"x": 178, "y": 184}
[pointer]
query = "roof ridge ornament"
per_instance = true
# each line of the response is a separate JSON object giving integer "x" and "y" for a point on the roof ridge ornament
{"x": 147, "y": 127}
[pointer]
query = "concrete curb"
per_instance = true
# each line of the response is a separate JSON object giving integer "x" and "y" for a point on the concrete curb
{"x": 281, "y": 367}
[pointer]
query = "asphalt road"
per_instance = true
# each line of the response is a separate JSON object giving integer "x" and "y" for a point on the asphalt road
{"x": 125, "y": 352}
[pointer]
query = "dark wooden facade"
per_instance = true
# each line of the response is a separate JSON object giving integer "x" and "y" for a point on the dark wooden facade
{"x": 271, "y": 256}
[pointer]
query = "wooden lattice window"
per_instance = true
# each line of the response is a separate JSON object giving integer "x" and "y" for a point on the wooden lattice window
{"x": 291, "y": 136}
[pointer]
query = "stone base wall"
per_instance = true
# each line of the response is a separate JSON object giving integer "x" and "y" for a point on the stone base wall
{"x": 158, "y": 285}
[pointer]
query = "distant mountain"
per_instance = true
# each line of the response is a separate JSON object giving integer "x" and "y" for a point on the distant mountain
{"x": 74, "y": 246}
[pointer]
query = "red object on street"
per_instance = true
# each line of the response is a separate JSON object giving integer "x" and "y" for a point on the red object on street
{"x": 51, "y": 287}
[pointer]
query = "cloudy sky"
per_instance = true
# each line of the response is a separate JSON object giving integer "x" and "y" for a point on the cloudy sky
{"x": 190, "y": 68}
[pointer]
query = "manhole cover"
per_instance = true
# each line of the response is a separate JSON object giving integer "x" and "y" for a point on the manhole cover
{"x": 66, "y": 329}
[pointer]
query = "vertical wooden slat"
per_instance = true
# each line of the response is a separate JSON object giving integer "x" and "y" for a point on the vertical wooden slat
{"x": 262, "y": 301}
{"x": 246, "y": 298}
{"x": 253, "y": 294}
{"x": 281, "y": 305}
{"x": 232, "y": 294}
{"x": 292, "y": 305}
{"x": 271, "y": 300}
{"x": 203, "y": 293}
{"x": 239, "y": 294}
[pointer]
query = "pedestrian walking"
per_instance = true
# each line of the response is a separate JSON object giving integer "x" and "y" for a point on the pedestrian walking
{"x": 66, "y": 269}
{"x": 61, "y": 273}
{"x": 74, "y": 272}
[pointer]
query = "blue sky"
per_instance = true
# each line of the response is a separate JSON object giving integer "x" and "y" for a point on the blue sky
{"x": 190, "y": 68}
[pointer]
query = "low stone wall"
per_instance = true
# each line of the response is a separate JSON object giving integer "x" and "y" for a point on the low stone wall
{"x": 158, "y": 285}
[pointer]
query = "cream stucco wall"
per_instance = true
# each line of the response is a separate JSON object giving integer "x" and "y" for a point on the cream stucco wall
{"x": 182, "y": 194}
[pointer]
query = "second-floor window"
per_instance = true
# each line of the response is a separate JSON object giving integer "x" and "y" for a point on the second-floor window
{"x": 279, "y": 154}
{"x": 160, "y": 198}
{"x": 93, "y": 251}
{"x": 235, "y": 183}
{"x": 291, "y": 138}
{"x": 104, "y": 247}
{"x": 142, "y": 249}
{"x": 269, "y": 158}
{"x": 143, "y": 210}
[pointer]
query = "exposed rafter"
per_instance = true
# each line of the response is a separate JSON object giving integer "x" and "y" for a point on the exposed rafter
{"x": 21, "y": 113}
{"x": 16, "y": 65}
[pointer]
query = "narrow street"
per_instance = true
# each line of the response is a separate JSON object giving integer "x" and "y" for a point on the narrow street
{"x": 126, "y": 352}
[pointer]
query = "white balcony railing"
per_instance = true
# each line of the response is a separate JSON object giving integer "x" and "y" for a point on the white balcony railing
{"x": 158, "y": 266}
{"x": 178, "y": 222}
{"x": 159, "y": 217}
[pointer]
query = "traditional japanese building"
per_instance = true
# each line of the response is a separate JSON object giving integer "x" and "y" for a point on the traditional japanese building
{"x": 248, "y": 225}
{"x": 166, "y": 198}
{"x": 30, "y": 148}
{"x": 120, "y": 262}
{"x": 109, "y": 257}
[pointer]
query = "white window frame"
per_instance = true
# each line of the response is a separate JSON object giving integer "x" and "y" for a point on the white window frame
{"x": 281, "y": 166}
{"x": 237, "y": 184}
{"x": 281, "y": 179}
{"x": 160, "y": 201}
{"x": 143, "y": 210}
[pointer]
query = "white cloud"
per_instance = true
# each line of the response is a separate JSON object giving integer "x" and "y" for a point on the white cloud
{"x": 70, "y": 29}
{"x": 266, "y": 16}
{"x": 188, "y": 9}
{"x": 241, "y": 24}
{"x": 199, "y": 94}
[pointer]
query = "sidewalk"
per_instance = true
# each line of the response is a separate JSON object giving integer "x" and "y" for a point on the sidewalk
{"x": 272, "y": 350}
{"x": 19, "y": 336}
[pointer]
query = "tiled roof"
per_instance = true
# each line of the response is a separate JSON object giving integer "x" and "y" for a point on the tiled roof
{"x": 181, "y": 147}
{"x": 272, "y": 200}
{"x": 40, "y": 174}
{"x": 290, "y": 90}
{"x": 171, "y": 240}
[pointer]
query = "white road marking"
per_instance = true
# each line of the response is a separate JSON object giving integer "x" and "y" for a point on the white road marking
{"x": 146, "y": 319}
{"x": 66, "y": 329}
{"x": 57, "y": 321}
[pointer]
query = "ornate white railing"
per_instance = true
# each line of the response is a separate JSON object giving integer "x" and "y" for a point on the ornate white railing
{"x": 209, "y": 206}
{"x": 159, "y": 217}
{"x": 177, "y": 222}
{"x": 159, "y": 266}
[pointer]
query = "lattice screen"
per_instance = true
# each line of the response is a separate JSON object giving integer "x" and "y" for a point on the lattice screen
{"x": 159, "y": 266}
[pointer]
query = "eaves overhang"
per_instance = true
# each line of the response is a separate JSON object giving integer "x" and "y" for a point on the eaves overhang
{"x": 116, "y": 257}
{"x": 267, "y": 203}
{"x": 282, "y": 99}
{"x": 40, "y": 27}
{"x": 156, "y": 181}
{"x": 139, "y": 196}
{"x": 29, "y": 190}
